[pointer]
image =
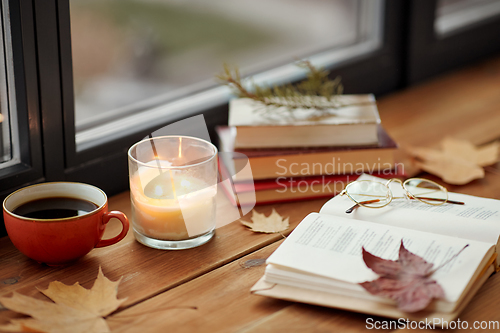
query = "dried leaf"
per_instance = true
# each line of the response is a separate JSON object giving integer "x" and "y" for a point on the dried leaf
{"x": 271, "y": 224}
{"x": 451, "y": 169}
{"x": 459, "y": 161}
{"x": 407, "y": 280}
{"x": 74, "y": 307}
{"x": 463, "y": 149}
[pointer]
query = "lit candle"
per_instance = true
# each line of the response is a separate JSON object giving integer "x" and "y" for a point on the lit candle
{"x": 168, "y": 205}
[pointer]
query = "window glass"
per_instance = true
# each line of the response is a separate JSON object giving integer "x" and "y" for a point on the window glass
{"x": 5, "y": 146}
{"x": 9, "y": 141}
{"x": 136, "y": 55}
{"x": 454, "y": 15}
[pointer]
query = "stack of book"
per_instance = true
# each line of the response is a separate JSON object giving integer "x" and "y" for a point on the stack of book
{"x": 300, "y": 155}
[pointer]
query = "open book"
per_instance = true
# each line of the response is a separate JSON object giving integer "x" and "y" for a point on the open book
{"x": 321, "y": 261}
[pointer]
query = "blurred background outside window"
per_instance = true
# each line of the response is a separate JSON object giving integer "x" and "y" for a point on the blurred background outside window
{"x": 131, "y": 56}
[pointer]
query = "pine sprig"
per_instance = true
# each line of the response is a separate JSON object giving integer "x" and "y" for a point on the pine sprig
{"x": 318, "y": 83}
{"x": 303, "y": 95}
{"x": 232, "y": 78}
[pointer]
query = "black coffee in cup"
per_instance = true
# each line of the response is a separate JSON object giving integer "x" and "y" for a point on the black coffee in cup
{"x": 55, "y": 208}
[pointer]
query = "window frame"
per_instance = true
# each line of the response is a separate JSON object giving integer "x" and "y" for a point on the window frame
{"x": 44, "y": 82}
{"x": 25, "y": 93}
{"x": 430, "y": 54}
{"x": 24, "y": 90}
{"x": 374, "y": 73}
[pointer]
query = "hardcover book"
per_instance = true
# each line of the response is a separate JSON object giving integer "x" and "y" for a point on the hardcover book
{"x": 353, "y": 123}
{"x": 288, "y": 189}
{"x": 311, "y": 161}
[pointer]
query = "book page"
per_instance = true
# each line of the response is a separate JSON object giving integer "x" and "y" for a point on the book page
{"x": 478, "y": 219}
{"x": 358, "y": 109}
{"x": 331, "y": 246}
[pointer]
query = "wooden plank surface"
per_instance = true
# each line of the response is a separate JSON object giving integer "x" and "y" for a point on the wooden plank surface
{"x": 220, "y": 298}
{"x": 154, "y": 271}
{"x": 463, "y": 104}
{"x": 220, "y": 301}
{"x": 207, "y": 288}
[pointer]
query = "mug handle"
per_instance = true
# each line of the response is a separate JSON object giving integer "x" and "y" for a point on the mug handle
{"x": 125, "y": 225}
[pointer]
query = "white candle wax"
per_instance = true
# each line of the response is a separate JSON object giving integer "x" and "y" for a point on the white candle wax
{"x": 168, "y": 210}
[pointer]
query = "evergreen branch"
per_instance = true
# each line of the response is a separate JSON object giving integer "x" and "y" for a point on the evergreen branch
{"x": 317, "y": 91}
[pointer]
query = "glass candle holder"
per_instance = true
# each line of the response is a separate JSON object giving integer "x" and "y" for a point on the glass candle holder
{"x": 173, "y": 188}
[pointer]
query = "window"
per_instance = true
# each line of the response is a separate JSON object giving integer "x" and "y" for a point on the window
{"x": 82, "y": 80}
{"x": 9, "y": 138}
{"x": 20, "y": 141}
{"x": 367, "y": 60}
{"x": 456, "y": 15}
{"x": 444, "y": 34}
{"x": 135, "y": 61}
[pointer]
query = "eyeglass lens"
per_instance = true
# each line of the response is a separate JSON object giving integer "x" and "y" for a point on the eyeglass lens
{"x": 369, "y": 193}
{"x": 426, "y": 191}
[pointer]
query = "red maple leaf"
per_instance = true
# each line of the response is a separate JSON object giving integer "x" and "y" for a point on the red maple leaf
{"x": 406, "y": 280}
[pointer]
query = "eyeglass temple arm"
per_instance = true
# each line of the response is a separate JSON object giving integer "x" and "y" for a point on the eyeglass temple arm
{"x": 350, "y": 210}
{"x": 447, "y": 201}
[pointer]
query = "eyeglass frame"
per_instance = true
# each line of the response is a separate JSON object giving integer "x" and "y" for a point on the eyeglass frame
{"x": 408, "y": 194}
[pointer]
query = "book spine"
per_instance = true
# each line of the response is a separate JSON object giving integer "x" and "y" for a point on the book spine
{"x": 347, "y": 162}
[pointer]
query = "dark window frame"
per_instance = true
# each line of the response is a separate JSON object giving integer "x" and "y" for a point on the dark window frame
{"x": 24, "y": 56}
{"x": 430, "y": 54}
{"x": 26, "y": 93}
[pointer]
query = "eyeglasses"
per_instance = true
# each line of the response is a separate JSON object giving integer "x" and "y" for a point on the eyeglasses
{"x": 373, "y": 194}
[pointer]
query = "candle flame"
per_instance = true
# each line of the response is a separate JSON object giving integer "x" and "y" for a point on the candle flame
{"x": 173, "y": 184}
{"x": 180, "y": 147}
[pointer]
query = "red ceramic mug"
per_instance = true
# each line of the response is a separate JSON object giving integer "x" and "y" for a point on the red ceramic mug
{"x": 56, "y": 239}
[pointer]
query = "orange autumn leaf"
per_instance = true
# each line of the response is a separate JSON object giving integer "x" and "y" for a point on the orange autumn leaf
{"x": 74, "y": 307}
{"x": 270, "y": 224}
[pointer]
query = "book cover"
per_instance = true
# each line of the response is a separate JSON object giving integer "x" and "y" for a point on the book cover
{"x": 289, "y": 189}
{"x": 355, "y": 109}
{"x": 354, "y": 122}
{"x": 300, "y": 162}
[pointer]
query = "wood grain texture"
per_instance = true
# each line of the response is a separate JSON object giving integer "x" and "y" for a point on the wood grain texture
{"x": 154, "y": 271}
{"x": 220, "y": 301}
{"x": 309, "y": 318}
{"x": 463, "y": 104}
{"x": 207, "y": 288}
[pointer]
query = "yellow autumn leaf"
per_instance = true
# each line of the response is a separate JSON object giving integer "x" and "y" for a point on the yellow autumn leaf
{"x": 463, "y": 149}
{"x": 270, "y": 224}
{"x": 81, "y": 310}
{"x": 452, "y": 170}
{"x": 458, "y": 162}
